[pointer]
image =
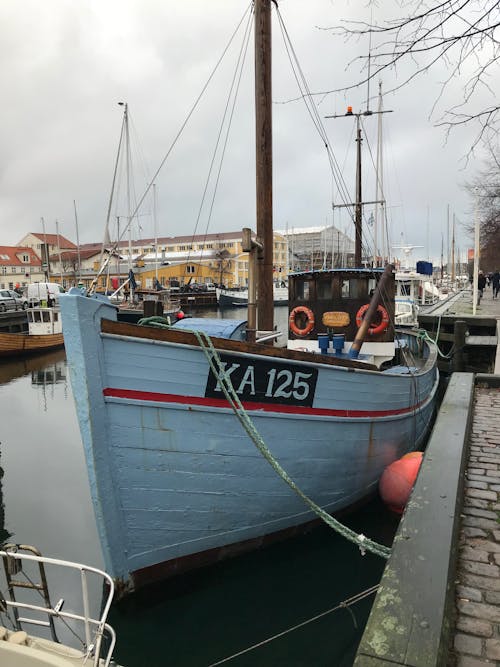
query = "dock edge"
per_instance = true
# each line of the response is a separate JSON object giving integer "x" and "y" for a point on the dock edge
{"x": 412, "y": 615}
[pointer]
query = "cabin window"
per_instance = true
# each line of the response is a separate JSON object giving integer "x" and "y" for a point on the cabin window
{"x": 324, "y": 287}
{"x": 353, "y": 288}
{"x": 56, "y": 316}
{"x": 302, "y": 290}
{"x": 37, "y": 317}
{"x": 405, "y": 289}
{"x": 46, "y": 316}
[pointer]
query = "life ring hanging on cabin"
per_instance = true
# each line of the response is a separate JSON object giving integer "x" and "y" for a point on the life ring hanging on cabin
{"x": 384, "y": 319}
{"x": 309, "y": 320}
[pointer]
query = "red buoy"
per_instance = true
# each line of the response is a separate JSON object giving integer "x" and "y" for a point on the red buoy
{"x": 180, "y": 315}
{"x": 398, "y": 480}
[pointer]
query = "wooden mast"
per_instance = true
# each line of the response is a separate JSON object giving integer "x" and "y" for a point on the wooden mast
{"x": 358, "y": 207}
{"x": 264, "y": 164}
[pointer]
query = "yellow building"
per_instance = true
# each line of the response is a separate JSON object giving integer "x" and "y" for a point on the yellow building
{"x": 211, "y": 258}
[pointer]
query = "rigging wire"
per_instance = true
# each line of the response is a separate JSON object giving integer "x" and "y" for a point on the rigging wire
{"x": 229, "y": 108}
{"x": 174, "y": 142}
{"x": 313, "y": 111}
{"x": 342, "y": 605}
{"x": 307, "y": 98}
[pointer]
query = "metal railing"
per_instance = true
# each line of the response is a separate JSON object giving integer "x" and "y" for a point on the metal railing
{"x": 13, "y": 556}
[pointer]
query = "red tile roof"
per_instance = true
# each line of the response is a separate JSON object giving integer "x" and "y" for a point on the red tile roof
{"x": 54, "y": 239}
{"x": 12, "y": 256}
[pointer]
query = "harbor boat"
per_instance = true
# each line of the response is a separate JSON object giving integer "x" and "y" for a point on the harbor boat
{"x": 197, "y": 445}
{"x": 415, "y": 292}
{"x": 33, "y": 627}
{"x": 44, "y": 333}
{"x": 228, "y": 298}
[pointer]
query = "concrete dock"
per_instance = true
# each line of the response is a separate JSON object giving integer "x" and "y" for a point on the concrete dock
{"x": 439, "y": 598}
{"x": 470, "y": 339}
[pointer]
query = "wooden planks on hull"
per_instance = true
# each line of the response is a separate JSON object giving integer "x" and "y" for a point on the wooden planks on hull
{"x": 12, "y": 344}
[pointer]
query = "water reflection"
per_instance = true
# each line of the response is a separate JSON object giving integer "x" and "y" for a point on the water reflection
{"x": 11, "y": 369}
{"x": 4, "y": 534}
{"x": 45, "y": 487}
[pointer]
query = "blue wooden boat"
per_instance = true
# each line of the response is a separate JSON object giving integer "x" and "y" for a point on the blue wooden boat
{"x": 176, "y": 481}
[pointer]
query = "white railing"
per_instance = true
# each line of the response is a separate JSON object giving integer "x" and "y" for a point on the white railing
{"x": 94, "y": 628}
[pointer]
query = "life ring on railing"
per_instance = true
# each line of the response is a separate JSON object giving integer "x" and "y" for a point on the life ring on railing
{"x": 309, "y": 320}
{"x": 384, "y": 319}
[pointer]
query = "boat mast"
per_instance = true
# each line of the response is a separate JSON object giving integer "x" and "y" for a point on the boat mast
{"x": 78, "y": 245}
{"x": 264, "y": 164}
{"x": 46, "y": 263}
{"x": 358, "y": 203}
{"x": 59, "y": 251}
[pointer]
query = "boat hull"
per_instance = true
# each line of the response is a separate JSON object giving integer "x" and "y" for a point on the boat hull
{"x": 174, "y": 476}
{"x": 14, "y": 344}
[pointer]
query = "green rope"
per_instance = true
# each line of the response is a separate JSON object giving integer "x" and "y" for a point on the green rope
{"x": 155, "y": 321}
{"x": 364, "y": 543}
{"x": 424, "y": 335}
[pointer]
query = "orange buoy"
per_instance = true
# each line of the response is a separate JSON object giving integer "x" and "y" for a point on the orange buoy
{"x": 398, "y": 480}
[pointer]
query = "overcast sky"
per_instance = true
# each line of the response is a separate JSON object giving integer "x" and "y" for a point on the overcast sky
{"x": 67, "y": 63}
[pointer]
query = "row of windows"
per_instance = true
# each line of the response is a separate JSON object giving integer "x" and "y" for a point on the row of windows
{"x": 328, "y": 288}
{"x": 14, "y": 269}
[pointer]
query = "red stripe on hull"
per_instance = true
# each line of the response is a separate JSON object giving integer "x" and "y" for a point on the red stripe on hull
{"x": 155, "y": 397}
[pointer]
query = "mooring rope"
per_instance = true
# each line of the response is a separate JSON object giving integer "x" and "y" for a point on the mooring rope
{"x": 424, "y": 335}
{"x": 342, "y": 605}
{"x": 363, "y": 542}
{"x": 155, "y": 321}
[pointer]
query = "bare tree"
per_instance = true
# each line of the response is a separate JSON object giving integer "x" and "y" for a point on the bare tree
{"x": 461, "y": 34}
{"x": 485, "y": 190}
{"x": 223, "y": 263}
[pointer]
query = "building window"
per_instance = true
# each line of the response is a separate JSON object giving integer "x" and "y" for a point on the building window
{"x": 190, "y": 268}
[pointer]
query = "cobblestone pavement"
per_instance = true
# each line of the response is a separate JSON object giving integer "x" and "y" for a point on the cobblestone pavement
{"x": 477, "y": 595}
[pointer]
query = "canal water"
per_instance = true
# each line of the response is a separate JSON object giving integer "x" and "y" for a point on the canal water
{"x": 198, "y": 619}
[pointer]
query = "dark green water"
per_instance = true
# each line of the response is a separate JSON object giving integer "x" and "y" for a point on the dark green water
{"x": 199, "y": 618}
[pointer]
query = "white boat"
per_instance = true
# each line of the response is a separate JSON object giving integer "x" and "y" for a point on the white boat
{"x": 44, "y": 333}
{"x": 227, "y": 298}
{"x": 200, "y": 447}
{"x": 31, "y": 629}
{"x": 414, "y": 292}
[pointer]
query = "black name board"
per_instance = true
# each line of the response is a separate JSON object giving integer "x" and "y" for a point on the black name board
{"x": 263, "y": 381}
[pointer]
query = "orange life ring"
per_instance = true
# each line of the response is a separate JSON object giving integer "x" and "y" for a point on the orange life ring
{"x": 309, "y": 320}
{"x": 384, "y": 319}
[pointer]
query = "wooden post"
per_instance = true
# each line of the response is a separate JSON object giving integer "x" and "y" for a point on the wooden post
{"x": 358, "y": 209}
{"x": 370, "y": 313}
{"x": 459, "y": 333}
{"x": 252, "y": 247}
{"x": 264, "y": 163}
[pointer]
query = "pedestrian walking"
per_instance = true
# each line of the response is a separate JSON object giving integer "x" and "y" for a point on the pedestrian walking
{"x": 495, "y": 282}
{"x": 481, "y": 284}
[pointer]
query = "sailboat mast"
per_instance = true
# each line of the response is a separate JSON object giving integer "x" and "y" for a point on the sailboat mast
{"x": 358, "y": 207}
{"x": 264, "y": 163}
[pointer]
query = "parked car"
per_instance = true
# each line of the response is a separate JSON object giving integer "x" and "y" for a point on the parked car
{"x": 12, "y": 300}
